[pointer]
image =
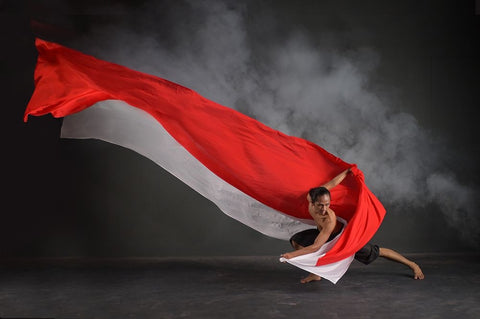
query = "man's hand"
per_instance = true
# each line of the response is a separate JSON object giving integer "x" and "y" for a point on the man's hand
{"x": 287, "y": 255}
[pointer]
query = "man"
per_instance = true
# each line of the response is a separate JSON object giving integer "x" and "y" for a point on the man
{"x": 328, "y": 227}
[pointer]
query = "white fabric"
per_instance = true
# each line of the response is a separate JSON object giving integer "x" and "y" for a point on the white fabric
{"x": 333, "y": 271}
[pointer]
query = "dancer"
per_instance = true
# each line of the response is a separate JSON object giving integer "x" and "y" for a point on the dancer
{"x": 328, "y": 227}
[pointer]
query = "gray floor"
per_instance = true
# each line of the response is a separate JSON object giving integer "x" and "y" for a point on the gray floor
{"x": 236, "y": 287}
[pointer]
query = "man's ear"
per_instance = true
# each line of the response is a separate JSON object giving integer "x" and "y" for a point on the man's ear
{"x": 309, "y": 198}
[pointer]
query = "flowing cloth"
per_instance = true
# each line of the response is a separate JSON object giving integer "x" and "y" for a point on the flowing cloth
{"x": 255, "y": 174}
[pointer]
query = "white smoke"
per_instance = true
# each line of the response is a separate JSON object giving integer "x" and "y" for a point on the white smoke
{"x": 298, "y": 88}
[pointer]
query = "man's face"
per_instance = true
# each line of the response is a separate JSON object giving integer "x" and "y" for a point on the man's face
{"x": 319, "y": 206}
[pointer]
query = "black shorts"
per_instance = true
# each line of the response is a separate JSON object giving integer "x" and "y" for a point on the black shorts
{"x": 307, "y": 237}
{"x": 366, "y": 255}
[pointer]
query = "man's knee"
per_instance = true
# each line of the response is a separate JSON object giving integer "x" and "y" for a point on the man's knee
{"x": 304, "y": 238}
{"x": 295, "y": 245}
{"x": 368, "y": 254}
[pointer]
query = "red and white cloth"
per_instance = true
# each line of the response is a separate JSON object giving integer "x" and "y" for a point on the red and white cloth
{"x": 256, "y": 175}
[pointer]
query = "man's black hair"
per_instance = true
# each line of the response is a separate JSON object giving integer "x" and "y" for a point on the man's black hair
{"x": 318, "y": 192}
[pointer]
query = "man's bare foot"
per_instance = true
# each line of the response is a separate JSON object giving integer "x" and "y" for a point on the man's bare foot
{"x": 310, "y": 277}
{"x": 417, "y": 272}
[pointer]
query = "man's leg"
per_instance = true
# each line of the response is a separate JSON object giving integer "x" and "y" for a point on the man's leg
{"x": 393, "y": 255}
{"x": 310, "y": 277}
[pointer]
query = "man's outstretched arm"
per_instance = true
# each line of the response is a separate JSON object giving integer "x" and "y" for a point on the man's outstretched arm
{"x": 337, "y": 179}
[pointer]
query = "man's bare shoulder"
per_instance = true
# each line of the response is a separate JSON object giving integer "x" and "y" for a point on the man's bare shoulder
{"x": 327, "y": 221}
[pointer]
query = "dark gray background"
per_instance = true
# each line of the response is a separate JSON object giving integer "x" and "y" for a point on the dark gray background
{"x": 90, "y": 198}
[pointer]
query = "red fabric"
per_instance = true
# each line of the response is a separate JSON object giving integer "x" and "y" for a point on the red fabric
{"x": 274, "y": 168}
